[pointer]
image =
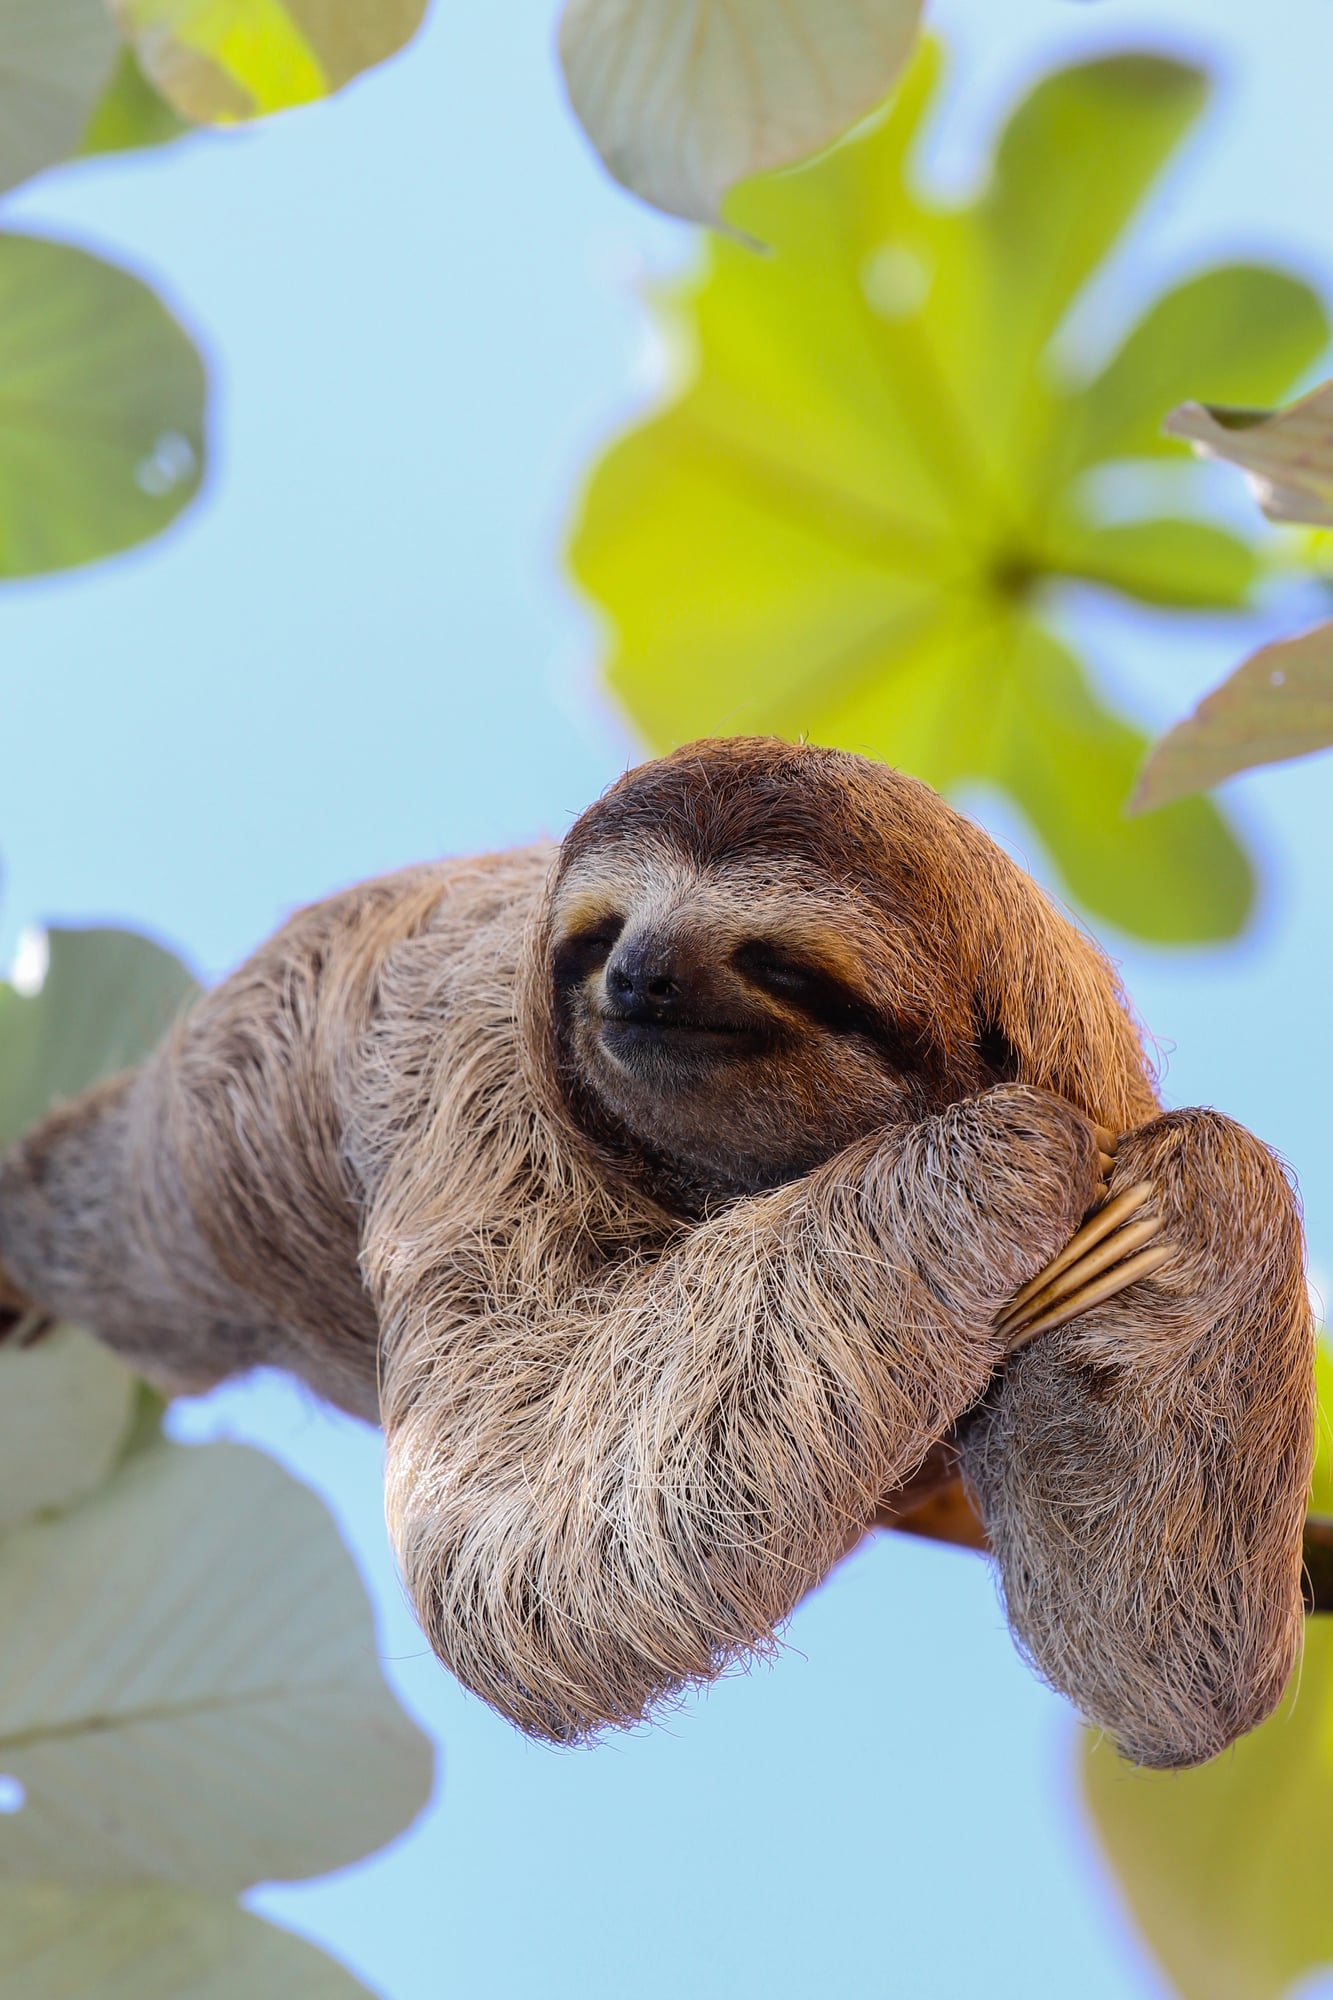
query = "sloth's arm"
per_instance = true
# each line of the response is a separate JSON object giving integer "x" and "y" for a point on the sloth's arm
{"x": 1142, "y": 1472}
{"x": 599, "y": 1498}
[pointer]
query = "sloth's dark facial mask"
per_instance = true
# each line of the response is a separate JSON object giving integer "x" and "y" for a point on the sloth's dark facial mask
{"x": 725, "y": 1016}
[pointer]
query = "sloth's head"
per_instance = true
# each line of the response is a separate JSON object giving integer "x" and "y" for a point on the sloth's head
{"x": 760, "y": 951}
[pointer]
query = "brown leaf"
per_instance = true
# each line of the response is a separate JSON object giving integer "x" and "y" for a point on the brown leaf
{"x": 1278, "y": 704}
{"x": 1287, "y": 455}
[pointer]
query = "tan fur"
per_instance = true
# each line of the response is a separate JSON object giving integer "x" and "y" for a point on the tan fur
{"x": 657, "y": 1332}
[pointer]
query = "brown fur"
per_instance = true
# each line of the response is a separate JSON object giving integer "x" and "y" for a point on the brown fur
{"x": 657, "y": 1330}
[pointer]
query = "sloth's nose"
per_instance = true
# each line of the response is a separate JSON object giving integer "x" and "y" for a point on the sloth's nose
{"x": 642, "y": 973}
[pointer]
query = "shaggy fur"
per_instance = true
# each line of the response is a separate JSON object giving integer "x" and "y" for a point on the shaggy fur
{"x": 661, "y": 1193}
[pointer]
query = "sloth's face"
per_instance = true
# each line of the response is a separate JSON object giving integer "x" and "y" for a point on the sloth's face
{"x": 742, "y": 1018}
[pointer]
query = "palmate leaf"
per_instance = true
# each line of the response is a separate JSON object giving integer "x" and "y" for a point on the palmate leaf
{"x": 130, "y": 113}
{"x": 682, "y": 101}
{"x": 217, "y": 61}
{"x": 152, "y": 1942}
{"x": 1226, "y": 1868}
{"x": 188, "y": 1684}
{"x": 101, "y": 409}
{"x": 844, "y": 523}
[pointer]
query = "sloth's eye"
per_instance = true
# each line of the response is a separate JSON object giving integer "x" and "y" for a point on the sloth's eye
{"x": 583, "y": 951}
{"x": 818, "y": 994}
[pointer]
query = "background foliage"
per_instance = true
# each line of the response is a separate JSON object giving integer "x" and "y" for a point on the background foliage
{"x": 891, "y": 454}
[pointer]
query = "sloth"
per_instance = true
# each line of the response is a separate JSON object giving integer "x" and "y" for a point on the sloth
{"x": 689, "y": 1196}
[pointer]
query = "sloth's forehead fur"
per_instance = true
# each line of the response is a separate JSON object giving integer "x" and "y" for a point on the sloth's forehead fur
{"x": 822, "y": 851}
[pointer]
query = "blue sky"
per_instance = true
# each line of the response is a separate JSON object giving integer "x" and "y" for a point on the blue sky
{"x": 420, "y": 306}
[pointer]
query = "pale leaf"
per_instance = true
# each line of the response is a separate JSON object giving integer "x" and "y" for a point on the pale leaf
{"x": 188, "y": 1684}
{"x": 56, "y": 58}
{"x": 65, "y": 1407}
{"x": 152, "y": 1942}
{"x": 1287, "y": 455}
{"x": 684, "y": 98}
{"x": 1279, "y": 704}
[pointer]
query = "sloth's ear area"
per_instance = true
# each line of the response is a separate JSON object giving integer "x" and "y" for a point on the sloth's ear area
{"x": 1049, "y": 1007}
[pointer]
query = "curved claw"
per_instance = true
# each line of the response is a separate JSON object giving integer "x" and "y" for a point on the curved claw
{"x": 1114, "y": 1248}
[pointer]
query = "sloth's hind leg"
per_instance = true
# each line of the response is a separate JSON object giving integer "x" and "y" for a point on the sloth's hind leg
{"x": 87, "y": 1235}
{"x": 1142, "y": 1471}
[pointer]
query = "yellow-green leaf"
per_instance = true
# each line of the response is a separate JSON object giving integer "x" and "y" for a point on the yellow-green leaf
{"x": 101, "y": 409}
{"x": 217, "y": 61}
{"x": 106, "y": 998}
{"x": 66, "y": 1406}
{"x": 1226, "y": 1869}
{"x": 1278, "y": 704}
{"x": 55, "y": 61}
{"x": 684, "y": 98}
{"x": 844, "y": 522}
{"x": 151, "y": 1942}
{"x": 1287, "y": 455}
{"x": 189, "y": 1689}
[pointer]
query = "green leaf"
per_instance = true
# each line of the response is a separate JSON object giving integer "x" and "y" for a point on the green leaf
{"x": 1241, "y": 330}
{"x": 66, "y": 1407}
{"x": 1226, "y": 1868}
{"x": 1278, "y": 704}
{"x": 843, "y": 522}
{"x": 1287, "y": 455}
{"x": 684, "y": 103}
{"x": 108, "y": 997}
{"x": 101, "y": 409}
{"x": 1183, "y": 565}
{"x": 217, "y": 61}
{"x": 55, "y": 59}
{"x": 153, "y": 1943}
{"x": 188, "y": 1684}
{"x": 131, "y": 113}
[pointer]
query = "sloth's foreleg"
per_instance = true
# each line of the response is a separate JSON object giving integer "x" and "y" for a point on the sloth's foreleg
{"x": 1143, "y": 1471}
{"x": 600, "y": 1499}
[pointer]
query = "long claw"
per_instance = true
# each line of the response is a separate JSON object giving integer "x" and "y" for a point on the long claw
{"x": 1111, "y": 1250}
{"x": 1099, "y": 1224}
{"x": 1108, "y": 1141}
{"x": 1118, "y": 1279}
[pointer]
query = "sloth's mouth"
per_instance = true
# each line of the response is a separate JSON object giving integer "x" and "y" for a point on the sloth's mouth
{"x": 634, "y": 1038}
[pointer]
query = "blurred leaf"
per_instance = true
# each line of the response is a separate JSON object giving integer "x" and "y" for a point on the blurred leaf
{"x": 108, "y": 997}
{"x": 682, "y": 103}
{"x": 101, "y": 409}
{"x": 1287, "y": 455}
{"x": 66, "y": 1406}
{"x": 1278, "y": 704}
{"x": 844, "y": 523}
{"x": 131, "y": 113}
{"x": 55, "y": 59}
{"x": 217, "y": 61}
{"x": 153, "y": 1943}
{"x": 1226, "y": 1868}
{"x": 188, "y": 1684}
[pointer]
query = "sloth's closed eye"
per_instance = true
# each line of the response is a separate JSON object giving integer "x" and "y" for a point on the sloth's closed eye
{"x": 583, "y": 951}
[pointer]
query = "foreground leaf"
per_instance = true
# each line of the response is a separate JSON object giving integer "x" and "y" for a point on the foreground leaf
{"x": 847, "y": 522}
{"x": 56, "y": 58}
{"x": 66, "y": 1406}
{"x": 188, "y": 1684}
{"x": 1287, "y": 455}
{"x": 108, "y": 997}
{"x": 153, "y": 1943}
{"x": 218, "y": 61}
{"x": 101, "y": 409}
{"x": 1279, "y": 704}
{"x": 682, "y": 102}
